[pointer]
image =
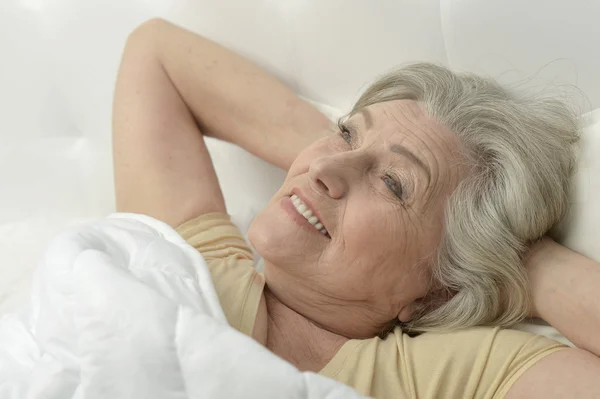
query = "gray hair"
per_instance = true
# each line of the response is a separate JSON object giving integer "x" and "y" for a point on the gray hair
{"x": 521, "y": 150}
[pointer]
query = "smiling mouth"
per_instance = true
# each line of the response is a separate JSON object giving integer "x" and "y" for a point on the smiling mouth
{"x": 307, "y": 213}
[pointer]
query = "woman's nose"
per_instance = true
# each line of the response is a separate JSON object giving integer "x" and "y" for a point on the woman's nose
{"x": 333, "y": 174}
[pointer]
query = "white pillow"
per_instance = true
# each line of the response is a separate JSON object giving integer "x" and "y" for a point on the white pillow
{"x": 580, "y": 230}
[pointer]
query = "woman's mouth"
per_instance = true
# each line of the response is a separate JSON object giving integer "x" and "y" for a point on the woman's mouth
{"x": 307, "y": 213}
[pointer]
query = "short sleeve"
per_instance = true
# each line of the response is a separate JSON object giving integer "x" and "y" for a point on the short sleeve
{"x": 229, "y": 258}
{"x": 535, "y": 348}
{"x": 476, "y": 363}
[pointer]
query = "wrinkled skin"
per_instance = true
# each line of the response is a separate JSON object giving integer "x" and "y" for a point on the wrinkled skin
{"x": 383, "y": 209}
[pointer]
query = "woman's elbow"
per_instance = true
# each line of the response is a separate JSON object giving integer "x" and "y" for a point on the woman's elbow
{"x": 145, "y": 35}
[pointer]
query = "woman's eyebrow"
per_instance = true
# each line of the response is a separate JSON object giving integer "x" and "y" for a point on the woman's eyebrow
{"x": 396, "y": 148}
{"x": 401, "y": 150}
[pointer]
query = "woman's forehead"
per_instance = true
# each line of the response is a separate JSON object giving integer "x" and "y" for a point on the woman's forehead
{"x": 407, "y": 121}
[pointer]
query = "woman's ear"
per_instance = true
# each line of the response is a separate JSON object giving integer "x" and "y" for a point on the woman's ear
{"x": 406, "y": 313}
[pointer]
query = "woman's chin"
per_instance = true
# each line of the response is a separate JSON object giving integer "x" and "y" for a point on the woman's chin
{"x": 264, "y": 235}
{"x": 274, "y": 239}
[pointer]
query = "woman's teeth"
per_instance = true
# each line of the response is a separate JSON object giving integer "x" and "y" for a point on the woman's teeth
{"x": 307, "y": 213}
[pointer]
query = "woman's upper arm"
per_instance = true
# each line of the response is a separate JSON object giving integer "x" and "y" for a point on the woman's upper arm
{"x": 173, "y": 86}
{"x": 568, "y": 373}
{"x": 161, "y": 164}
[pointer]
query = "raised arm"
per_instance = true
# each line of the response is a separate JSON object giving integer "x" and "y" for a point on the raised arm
{"x": 174, "y": 87}
{"x": 234, "y": 100}
{"x": 565, "y": 290}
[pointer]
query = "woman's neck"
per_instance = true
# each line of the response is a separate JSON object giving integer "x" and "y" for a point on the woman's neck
{"x": 297, "y": 339}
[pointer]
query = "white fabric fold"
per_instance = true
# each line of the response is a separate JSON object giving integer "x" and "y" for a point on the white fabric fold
{"x": 125, "y": 308}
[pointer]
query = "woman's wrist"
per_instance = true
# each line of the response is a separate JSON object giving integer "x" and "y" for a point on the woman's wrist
{"x": 564, "y": 287}
{"x": 556, "y": 276}
{"x": 543, "y": 263}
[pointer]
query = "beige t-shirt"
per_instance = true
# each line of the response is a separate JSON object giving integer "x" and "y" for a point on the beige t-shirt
{"x": 474, "y": 363}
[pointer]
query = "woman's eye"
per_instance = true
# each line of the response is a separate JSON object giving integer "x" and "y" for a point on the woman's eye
{"x": 393, "y": 185}
{"x": 346, "y": 134}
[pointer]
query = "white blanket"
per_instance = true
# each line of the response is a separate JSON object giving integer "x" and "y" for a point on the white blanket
{"x": 124, "y": 308}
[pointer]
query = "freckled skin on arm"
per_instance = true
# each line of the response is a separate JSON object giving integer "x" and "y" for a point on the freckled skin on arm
{"x": 174, "y": 87}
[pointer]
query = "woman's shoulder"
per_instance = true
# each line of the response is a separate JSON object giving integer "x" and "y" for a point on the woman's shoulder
{"x": 474, "y": 361}
{"x": 479, "y": 340}
{"x": 230, "y": 261}
{"x": 215, "y": 236}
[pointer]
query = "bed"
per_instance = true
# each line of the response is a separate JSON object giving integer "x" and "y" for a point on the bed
{"x": 60, "y": 58}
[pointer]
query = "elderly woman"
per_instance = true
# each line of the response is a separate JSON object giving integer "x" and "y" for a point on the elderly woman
{"x": 413, "y": 215}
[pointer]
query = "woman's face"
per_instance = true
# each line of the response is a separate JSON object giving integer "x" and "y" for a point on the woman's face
{"x": 378, "y": 187}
